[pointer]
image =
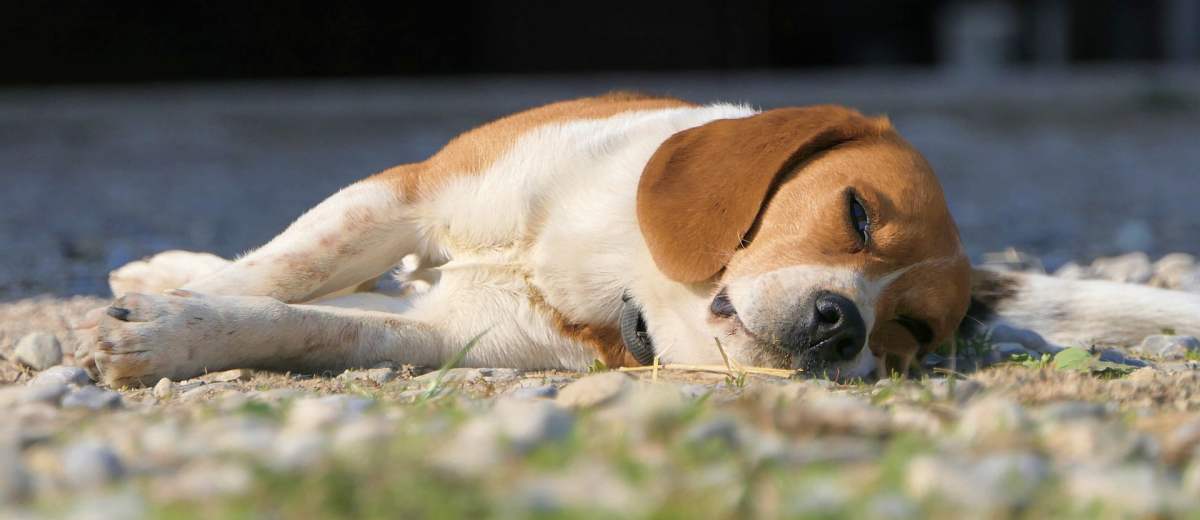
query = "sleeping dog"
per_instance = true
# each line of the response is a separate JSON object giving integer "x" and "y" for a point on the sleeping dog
{"x": 622, "y": 228}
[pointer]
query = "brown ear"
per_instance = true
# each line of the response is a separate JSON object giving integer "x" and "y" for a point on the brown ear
{"x": 702, "y": 190}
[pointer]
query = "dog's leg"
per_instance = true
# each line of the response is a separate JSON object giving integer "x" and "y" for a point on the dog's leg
{"x": 1079, "y": 312}
{"x": 353, "y": 236}
{"x": 144, "y": 337}
{"x": 163, "y": 271}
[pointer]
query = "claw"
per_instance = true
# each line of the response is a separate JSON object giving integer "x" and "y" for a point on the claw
{"x": 119, "y": 313}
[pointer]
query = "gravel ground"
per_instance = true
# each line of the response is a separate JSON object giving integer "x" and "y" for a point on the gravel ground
{"x": 1069, "y": 168}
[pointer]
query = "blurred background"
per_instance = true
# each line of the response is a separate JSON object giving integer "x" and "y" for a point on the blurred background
{"x": 1067, "y": 129}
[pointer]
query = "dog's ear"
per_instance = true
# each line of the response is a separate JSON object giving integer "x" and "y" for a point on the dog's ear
{"x": 702, "y": 190}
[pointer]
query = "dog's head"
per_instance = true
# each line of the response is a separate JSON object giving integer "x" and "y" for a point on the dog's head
{"x": 820, "y": 232}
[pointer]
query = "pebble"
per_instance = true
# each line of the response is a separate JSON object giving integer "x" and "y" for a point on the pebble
{"x": 960, "y": 390}
{"x": 379, "y": 376}
{"x": 1183, "y": 442}
{"x": 1024, "y": 337}
{"x": 14, "y": 479}
{"x": 39, "y": 351}
{"x": 1136, "y": 490}
{"x": 823, "y": 412}
{"x": 527, "y": 424}
{"x": 594, "y": 390}
{"x": 1089, "y": 441}
{"x": 89, "y": 464}
{"x": 1169, "y": 347}
{"x": 993, "y": 420}
{"x": 62, "y": 374}
{"x": 49, "y": 393}
{"x": 164, "y": 389}
{"x": 92, "y": 398}
{"x": 1060, "y": 411}
{"x": 228, "y": 376}
{"x": 319, "y": 412}
{"x": 723, "y": 430}
{"x": 535, "y": 392}
{"x": 998, "y": 481}
{"x": 472, "y": 451}
{"x": 454, "y": 375}
{"x": 208, "y": 479}
{"x": 296, "y": 450}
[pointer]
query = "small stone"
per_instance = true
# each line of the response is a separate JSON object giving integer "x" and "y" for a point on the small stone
{"x": 1073, "y": 410}
{"x": 50, "y": 393}
{"x": 202, "y": 391}
{"x": 298, "y": 449}
{"x": 122, "y": 505}
{"x": 39, "y": 351}
{"x": 381, "y": 376}
{"x": 90, "y": 464}
{"x": 472, "y": 451}
{"x": 92, "y": 398}
{"x": 499, "y": 375}
{"x": 164, "y": 389}
{"x": 958, "y": 390}
{"x": 208, "y": 479}
{"x": 62, "y": 374}
{"x": 1183, "y": 442}
{"x": 1137, "y": 490}
{"x": 723, "y": 430}
{"x": 361, "y": 436}
{"x": 993, "y": 420}
{"x": 594, "y": 390}
{"x": 229, "y": 376}
{"x": 1128, "y": 268}
{"x": 454, "y": 375}
{"x": 320, "y": 412}
{"x": 1169, "y": 347}
{"x": 14, "y": 479}
{"x": 823, "y": 412}
{"x": 1024, "y": 337}
{"x": 535, "y": 392}
{"x": 997, "y": 482}
{"x": 1089, "y": 441}
{"x": 528, "y": 424}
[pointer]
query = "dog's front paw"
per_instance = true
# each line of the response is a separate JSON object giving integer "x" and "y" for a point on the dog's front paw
{"x": 142, "y": 338}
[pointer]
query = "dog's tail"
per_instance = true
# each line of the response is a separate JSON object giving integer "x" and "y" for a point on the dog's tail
{"x": 1069, "y": 312}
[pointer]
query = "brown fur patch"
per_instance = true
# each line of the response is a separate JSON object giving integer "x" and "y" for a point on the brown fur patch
{"x": 604, "y": 339}
{"x": 475, "y": 150}
{"x": 704, "y": 188}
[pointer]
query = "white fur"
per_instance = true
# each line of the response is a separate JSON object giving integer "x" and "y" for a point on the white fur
{"x": 1088, "y": 312}
{"x": 554, "y": 217}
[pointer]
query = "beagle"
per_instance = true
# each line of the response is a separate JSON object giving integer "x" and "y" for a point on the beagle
{"x": 622, "y": 227}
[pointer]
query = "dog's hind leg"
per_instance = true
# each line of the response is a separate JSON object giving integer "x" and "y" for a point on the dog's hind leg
{"x": 352, "y": 237}
{"x": 163, "y": 271}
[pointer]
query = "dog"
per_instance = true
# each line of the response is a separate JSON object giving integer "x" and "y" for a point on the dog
{"x": 626, "y": 228}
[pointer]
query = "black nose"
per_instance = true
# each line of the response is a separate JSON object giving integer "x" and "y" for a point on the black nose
{"x": 838, "y": 330}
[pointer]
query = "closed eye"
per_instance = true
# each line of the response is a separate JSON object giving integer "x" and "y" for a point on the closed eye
{"x": 860, "y": 220}
{"x": 920, "y": 330}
